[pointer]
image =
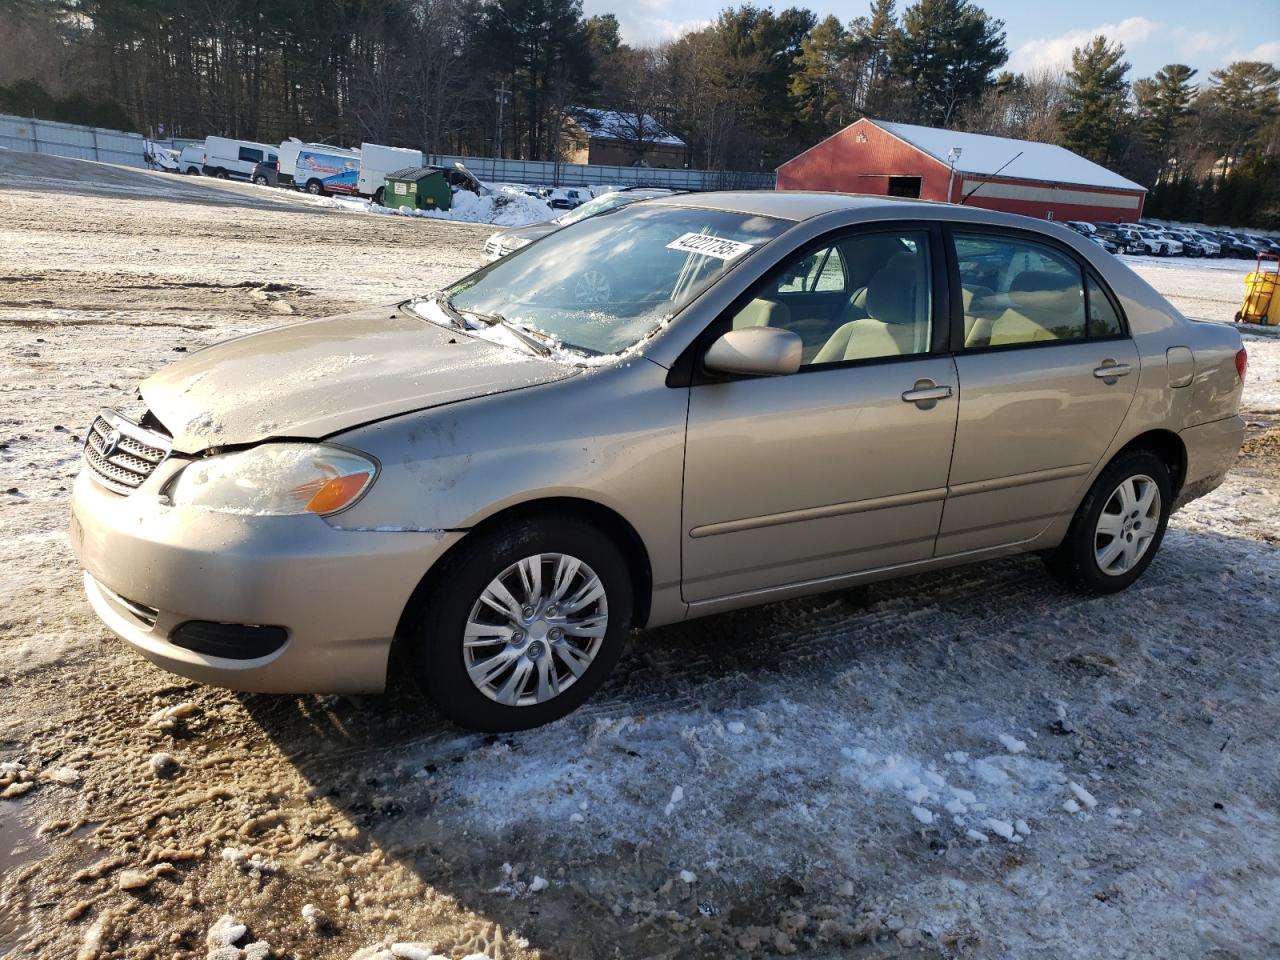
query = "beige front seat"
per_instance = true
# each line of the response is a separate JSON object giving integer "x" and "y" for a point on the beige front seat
{"x": 889, "y": 330}
{"x": 763, "y": 313}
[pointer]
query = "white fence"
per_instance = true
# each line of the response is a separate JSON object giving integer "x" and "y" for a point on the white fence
{"x": 582, "y": 175}
{"x": 71, "y": 140}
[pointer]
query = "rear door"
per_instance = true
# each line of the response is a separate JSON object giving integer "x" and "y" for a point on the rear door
{"x": 1047, "y": 373}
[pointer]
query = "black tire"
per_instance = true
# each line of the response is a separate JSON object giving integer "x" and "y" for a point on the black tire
{"x": 315, "y": 188}
{"x": 1075, "y": 561}
{"x": 458, "y": 585}
{"x": 377, "y": 196}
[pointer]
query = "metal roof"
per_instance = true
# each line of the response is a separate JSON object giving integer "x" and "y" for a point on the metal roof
{"x": 982, "y": 155}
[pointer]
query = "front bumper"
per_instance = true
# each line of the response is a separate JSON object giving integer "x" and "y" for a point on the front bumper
{"x": 339, "y": 594}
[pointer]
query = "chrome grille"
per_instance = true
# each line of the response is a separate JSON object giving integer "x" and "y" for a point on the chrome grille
{"x": 120, "y": 454}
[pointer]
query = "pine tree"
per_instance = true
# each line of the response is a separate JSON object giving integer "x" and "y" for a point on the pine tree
{"x": 946, "y": 51}
{"x": 819, "y": 86}
{"x": 1095, "y": 102}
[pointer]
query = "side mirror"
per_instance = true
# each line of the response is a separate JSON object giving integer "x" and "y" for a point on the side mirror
{"x": 755, "y": 351}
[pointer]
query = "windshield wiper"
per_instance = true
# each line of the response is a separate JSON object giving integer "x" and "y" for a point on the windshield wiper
{"x": 450, "y": 310}
{"x": 539, "y": 345}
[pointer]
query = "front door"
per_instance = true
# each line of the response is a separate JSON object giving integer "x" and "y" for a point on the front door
{"x": 1047, "y": 375}
{"x": 841, "y": 467}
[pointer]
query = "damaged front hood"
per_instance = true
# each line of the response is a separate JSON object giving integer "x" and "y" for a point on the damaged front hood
{"x": 318, "y": 378}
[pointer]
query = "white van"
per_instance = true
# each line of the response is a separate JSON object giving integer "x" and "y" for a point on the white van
{"x": 235, "y": 159}
{"x": 289, "y": 151}
{"x": 376, "y": 161}
{"x": 191, "y": 159}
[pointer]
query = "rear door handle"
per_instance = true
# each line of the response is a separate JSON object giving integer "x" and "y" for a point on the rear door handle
{"x": 926, "y": 393}
{"x": 1110, "y": 370}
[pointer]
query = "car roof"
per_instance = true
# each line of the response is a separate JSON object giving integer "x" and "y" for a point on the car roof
{"x": 792, "y": 204}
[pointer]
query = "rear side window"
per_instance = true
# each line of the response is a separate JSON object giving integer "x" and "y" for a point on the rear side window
{"x": 1018, "y": 291}
{"x": 250, "y": 155}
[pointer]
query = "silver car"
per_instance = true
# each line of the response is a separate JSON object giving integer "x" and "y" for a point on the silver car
{"x": 782, "y": 394}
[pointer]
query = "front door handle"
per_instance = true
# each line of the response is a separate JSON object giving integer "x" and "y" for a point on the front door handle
{"x": 925, "y": 394}
{"x": 1110, "y": 370}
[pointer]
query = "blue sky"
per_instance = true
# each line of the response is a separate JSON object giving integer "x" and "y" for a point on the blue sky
{"x": 1204, "y": 34}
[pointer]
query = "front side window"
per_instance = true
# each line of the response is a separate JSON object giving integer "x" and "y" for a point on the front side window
{"x": 602, "y": 285}
{"x": 1017, "y": 291}
{"x": 863, "y": 297}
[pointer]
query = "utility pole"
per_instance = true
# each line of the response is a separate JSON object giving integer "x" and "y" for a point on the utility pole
{"x": 501, "y": 95}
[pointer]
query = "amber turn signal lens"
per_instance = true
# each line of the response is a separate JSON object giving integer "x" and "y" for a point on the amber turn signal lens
{"x": 334, "y": 493}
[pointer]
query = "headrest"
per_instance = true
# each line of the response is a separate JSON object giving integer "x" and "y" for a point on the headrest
{"x": 1037, "y": 281}
{"x": 891, "y": 293}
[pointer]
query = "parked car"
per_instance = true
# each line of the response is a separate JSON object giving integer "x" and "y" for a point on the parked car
{"x": 508, "y": 241}
{"x": 504, "y": 478}
{"x": 1208, "y": 245}
{"x": 1192, "y": 244}
{"x": 1263, "y": 244}
{"x": 1106, "y": 244}
{"x": 191, "y": 159}
{"x": 1241, "y": 246}
{"x": 265, "y": 174}
{"x": 1148, "y": 241}
{"x": 566, "y": 198}
{"x": 226, "y": 158}
{"x": 1081, "y": 227}
{"x": 1121, "y": 237}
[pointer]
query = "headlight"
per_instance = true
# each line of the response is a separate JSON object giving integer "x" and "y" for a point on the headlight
{"x": 276, "y": 479}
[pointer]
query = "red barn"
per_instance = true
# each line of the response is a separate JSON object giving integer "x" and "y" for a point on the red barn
{"x": 1017, "y": 176}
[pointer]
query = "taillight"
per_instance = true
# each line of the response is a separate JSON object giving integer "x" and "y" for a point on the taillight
{"x": 1242, "y": 362}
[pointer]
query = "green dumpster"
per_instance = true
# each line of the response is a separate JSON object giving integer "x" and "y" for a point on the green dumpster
{"x": 417, "y": 188}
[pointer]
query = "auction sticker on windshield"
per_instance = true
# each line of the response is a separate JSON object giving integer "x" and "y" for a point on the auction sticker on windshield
{"x": 710, "y": 246}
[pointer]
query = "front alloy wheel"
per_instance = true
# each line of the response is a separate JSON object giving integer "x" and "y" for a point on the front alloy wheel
{"x": 523, "y": 621}
{"x": 535, "y": 629}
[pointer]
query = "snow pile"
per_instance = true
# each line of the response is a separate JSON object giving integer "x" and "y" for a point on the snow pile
{"x": 502, "y": 208}
{"x": 223, "y": 936}
{"x": 15, "y": 779}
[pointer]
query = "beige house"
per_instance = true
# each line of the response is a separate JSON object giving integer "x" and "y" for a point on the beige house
{"x": 621, "y": 139}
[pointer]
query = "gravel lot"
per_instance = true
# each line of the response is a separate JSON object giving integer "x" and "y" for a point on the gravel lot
{"x": 967, "y": 764}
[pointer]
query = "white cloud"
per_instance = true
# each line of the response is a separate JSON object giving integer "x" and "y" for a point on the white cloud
{"x": 1197, "y": 45}
{"x": 1054, "y": 52}
{"x": 1268, "y": 52}
{"x": 643, "y": 23}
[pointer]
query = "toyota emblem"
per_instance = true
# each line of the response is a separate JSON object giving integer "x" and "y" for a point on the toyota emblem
{"x": 111, "y": 443}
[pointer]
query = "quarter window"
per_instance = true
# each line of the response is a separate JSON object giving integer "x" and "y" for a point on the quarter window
{"x": 1103, "y": 319}
{"x": 864, "y": 297}
{"x": 1019, "y": 291}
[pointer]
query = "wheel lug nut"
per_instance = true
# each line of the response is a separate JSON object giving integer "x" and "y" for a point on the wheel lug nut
{"x": 557, "y": 634}
{"x": 553, "y": 611}
{"x": 517, "y": 637}
{"x": 527, "y": 611}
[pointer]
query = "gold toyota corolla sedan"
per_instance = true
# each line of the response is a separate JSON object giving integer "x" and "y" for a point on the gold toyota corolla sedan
{"x": 678, "y": 408}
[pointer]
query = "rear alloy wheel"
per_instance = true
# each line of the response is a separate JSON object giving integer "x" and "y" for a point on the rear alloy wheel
{"x": 1119, "y": 526}
{"x": 524, "y": 623}
{"x": 315, "y": 188}
{"x": 260, "y": 181}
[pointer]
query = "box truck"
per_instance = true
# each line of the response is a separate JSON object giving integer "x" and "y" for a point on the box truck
{"x": 376, "y": 161}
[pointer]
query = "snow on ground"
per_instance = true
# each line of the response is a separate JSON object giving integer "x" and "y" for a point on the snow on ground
{"x": 501, "y": 208}
{"x": 966, "y": 764}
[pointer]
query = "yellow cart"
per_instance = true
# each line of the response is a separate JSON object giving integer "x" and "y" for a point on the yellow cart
{"x": 1261, "y": 305}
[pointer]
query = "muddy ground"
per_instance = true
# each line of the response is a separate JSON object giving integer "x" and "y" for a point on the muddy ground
{"x": 1099, "y": 775}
